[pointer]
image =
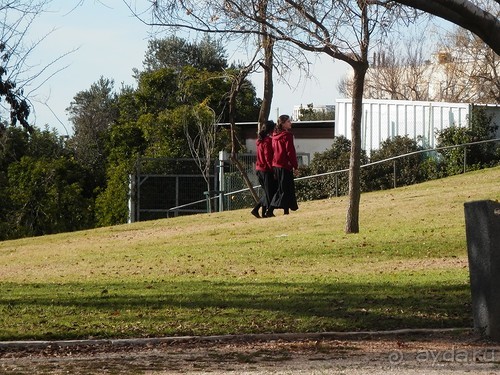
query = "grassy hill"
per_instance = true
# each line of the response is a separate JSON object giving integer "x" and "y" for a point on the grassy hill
{"x": 231, "y": 273}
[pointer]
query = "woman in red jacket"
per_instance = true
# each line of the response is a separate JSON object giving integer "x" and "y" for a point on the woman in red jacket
{"x": 264, "y": 168}
{"x": 284, "y": 165}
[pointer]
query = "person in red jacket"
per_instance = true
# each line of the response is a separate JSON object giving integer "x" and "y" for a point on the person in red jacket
{"x": 264, "y": 168}
{"x": 284, "y": 165}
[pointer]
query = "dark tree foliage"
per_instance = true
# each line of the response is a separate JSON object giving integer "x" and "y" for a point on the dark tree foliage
{"x": 175, "y": 53}
{"x": 48, "y": 197}
{"x": 92, "y": 113}
{"x": 309, "y": 114}
{"x": 42, "y": 187}
{"x": 153, "y": 119}
{"x": 19, "y": 108}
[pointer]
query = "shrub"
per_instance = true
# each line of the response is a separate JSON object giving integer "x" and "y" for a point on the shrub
{"x": 334, "y": 159}
{"x": 408, "y": 169}
{"x": 478, "y": 156}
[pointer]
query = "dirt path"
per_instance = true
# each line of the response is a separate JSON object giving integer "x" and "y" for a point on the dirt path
{"x": 399, "y": 353}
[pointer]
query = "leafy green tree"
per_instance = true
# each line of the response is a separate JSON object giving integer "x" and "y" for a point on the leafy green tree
{"x": 13, "y": 145}
{"x": 154, "y": 118}
{"x": 112, "y": 203}
{"x": 47, "y": 197}
{"x": 5, "y": 207}
{"x": 309, "y": 114}
{"x": 42, "y": 188}
{"x": 157, "y": 90}
{"x": 92, "y": 113}
{"x": 175, "y": 53}
{"x": 14, "y": 142}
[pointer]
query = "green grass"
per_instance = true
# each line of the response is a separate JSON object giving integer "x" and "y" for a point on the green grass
{"x": 228, "y": 273}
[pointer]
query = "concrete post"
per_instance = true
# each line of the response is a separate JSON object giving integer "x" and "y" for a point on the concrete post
{"x": 482, "y": 224}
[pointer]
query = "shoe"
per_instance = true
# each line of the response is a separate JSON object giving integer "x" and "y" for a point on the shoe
{"x": 270, "y": 213}
{"x": 255, "y": 212}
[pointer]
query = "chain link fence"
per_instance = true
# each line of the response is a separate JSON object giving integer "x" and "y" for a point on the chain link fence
{"x": 165, "y": 187}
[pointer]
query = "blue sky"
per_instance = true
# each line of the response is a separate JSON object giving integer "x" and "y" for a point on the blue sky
{"x": 109, "y": 42}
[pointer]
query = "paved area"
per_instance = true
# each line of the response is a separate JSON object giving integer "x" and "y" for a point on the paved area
{"x": 402, "y": 352}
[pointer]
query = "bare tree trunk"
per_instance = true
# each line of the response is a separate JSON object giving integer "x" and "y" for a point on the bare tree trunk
{"x": 232, "y": 108}
{"x": 352, "y": 220}
{"x": 267, "y": 65}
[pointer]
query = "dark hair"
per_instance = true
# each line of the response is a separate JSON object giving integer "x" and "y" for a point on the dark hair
{"x": 266, "y": 129}
{"x": 281, "y": 120}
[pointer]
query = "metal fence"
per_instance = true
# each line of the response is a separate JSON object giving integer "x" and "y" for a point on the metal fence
{"x": 340, "y": 180}
{"x": 171, "y": 187}
{"x": 166, "y": 187}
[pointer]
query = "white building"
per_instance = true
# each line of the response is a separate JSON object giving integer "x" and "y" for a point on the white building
{"x": 384, "y": 119}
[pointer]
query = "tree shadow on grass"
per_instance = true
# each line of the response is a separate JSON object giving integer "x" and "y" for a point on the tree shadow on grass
{"x": 208, "y": 307}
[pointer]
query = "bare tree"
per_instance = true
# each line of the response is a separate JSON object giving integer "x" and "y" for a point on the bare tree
{"x": 341, "y": 29}
{"x": 473, "y": 15}
{"x": 19, "y": 80}
{"x": 16, "y": 17}
{"x": 237, "y": 82}
{"x": 202, "y": 141}
{"x": 267, "y": 63}
{"x": 399, "y": 70}
{"x": 472, "y": 67}
{"x": 459, "y": 67}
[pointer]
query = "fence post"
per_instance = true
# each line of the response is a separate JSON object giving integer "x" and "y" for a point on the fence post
{"x": 394, "y": 173}
{"x": 132, "y": 198}
{"x": 465, "y": 159}
{"x": 223, "y": 157}
{"x": 336, "y": 184}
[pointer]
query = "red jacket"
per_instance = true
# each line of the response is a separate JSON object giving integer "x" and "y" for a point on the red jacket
{"x": 264, "y": 155}
{"x": 284, "y": 151}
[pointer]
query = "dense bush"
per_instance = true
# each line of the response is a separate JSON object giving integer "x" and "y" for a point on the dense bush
{"x": 408, "y": 170}
{"x": 334, "y": 159}
{"x": 477, "y": 156}
{"x": 418, "y": 167}
{"x": 42, "y": 188}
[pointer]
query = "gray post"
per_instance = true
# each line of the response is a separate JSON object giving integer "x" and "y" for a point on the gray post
{"x": 131, "y": 208}
{"x": 482, "y": 225}
{"x": 132, "y": 198}
{"x": 223, "y": 157}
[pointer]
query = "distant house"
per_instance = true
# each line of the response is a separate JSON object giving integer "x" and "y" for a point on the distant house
{"x": 309, "y": 136}
{"x": 323, "y": 108}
